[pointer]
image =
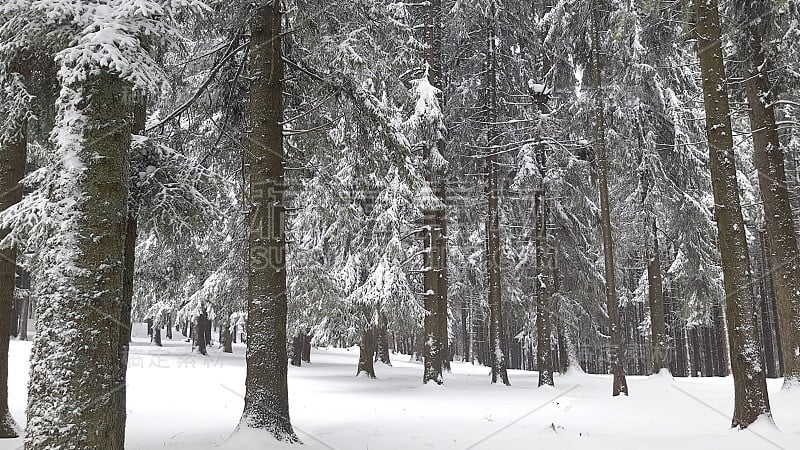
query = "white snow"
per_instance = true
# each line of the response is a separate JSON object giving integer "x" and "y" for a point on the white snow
{"x": 179, "y": 400}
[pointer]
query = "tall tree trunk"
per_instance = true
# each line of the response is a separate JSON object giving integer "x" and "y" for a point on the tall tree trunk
{"x": 129, "y": 260}
{"x": 751, "y": 398}
{"x": 366, "y": 350}
{"x": 544, "y": 354}
{"x": 769, "y": 160}
{"x": 655, "y": 293}
{"x": 435, "y": 354}
{"x": 12, "y": 168}
{"x": 266, "y": 403}
{"x": 79, "y": 310}
{"x": 493, "y": 257}
{"x": 617, "y": 349}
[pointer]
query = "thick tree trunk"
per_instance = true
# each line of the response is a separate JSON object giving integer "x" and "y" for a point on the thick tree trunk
{"x": 751, "y": 398}
{"x": 769, "y": 160}
{"x": 617, "y": 348}
{"x": 266, "y": 402}
{"x": 12, "y": 169}
{"x": 498, "y": 352}
{"x": 78, "y": 313}
{"x": 655, "y": 293}
{"x": 436, "y": 351}
{"x": 367, "y": 349}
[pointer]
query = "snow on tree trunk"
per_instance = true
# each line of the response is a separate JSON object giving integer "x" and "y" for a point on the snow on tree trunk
{"x": 769, "y": 160}
{"x": 497, "y": 341}
{"x": 12, "y": 168}
{"x": 75, "y": 367}
{"x": 436, "y": 352}
{"x": 751, "y": 398}
{"x": 544, "y": 353}
{"x": 266, "y": 402}
{"x": 617, "y": 349}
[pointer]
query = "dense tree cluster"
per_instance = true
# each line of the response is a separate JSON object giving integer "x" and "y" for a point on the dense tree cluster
{"x": 608, "y": 186}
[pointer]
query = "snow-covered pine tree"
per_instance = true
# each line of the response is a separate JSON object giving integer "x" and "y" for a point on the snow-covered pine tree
{"x": 81, "y": 211}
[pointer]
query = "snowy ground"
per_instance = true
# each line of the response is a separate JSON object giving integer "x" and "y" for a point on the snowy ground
{"x": 179, "y": 400}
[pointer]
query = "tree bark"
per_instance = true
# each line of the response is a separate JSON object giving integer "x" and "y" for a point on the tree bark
{"x": 78, "y": 312}
{"x": 12, "y": 168}
{"x": 266, "y": 403}
{"x": 307, "y": 347}
{"x": 655, "y": 293}
{"x": 200, "y": 336}
{"x": 436, "y": 350}
{"x": 366, "y": 350}
{"x": 497, "y": 356}
{"x": 382, "y": 352}
{"x": 157, "y": 337}
{"x": 226, "y": 339}
{"x": 769, "y": 161}
{"x": 751, "y": 398}
{"x": 544, "y": 354}
{"x": 620, "y": 385}
{"x": 297, "y": 350}
{"x": 129, "y": 260}
{"x": 170, "y": 326}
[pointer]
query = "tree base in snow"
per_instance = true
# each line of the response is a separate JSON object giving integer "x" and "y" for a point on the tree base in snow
{"x": 8, "y": 428}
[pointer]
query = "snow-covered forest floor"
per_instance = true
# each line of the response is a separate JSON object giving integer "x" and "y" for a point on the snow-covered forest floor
{"x": 181, "y": 400}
